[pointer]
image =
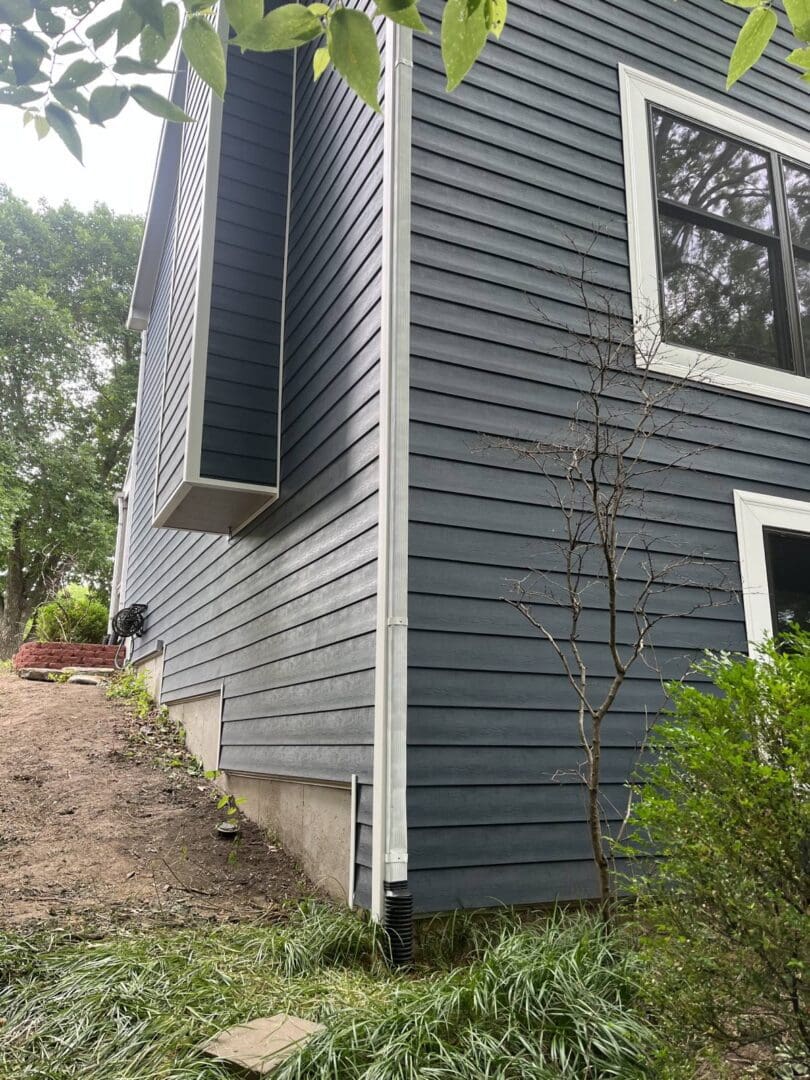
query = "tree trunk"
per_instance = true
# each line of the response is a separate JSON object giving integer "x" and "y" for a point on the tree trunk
{"x": 14, "y": 612}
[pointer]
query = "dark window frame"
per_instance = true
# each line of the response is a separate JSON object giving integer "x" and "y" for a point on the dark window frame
{"x": 769, "y": 531}
{"x": 792, "y": 353}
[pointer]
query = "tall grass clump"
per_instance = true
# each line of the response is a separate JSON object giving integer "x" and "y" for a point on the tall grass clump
{"x": 552, "y": 999}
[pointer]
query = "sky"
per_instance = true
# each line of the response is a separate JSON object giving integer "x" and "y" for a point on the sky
{"x": 119, "y": 161}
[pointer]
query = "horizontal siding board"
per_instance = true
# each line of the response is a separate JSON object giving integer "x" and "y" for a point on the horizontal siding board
{"x": 510, "y": 174}
{"x": 284, "y": 614}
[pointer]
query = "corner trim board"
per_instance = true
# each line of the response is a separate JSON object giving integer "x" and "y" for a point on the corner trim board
{"x": 390, "y": 827}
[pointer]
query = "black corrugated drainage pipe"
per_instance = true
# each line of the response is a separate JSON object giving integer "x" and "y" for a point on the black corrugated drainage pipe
{"x": 398, "y": 923}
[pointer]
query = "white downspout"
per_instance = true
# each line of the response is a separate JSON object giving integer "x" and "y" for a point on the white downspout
{"x": 390, "y": 827}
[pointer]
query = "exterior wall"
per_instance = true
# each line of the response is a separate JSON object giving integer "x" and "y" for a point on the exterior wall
{"x": 284, "y": 613}
{"x": 240, "y": 419}
{"x": 526, "y": 155}
{"x": 185, "y": 228}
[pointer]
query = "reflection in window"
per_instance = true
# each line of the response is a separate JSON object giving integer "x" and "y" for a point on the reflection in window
{"x": 797, "y": 187}
{"x": 788, "y": 558}
{"x": 733, "y": 222}
{"x": 705, "y": 306}
{"x": 707, "y": 172}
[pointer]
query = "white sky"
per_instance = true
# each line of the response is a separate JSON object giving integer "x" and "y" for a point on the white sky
{"x": 118, "y": 161}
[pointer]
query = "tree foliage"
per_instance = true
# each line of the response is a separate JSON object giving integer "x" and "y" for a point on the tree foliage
{"x": 68, "y": 377}
{"x": 62, "y": 61}
{"x": 724, "y": 823}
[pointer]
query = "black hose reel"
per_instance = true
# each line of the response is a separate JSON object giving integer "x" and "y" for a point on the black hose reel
{"x": 128, "y": 622}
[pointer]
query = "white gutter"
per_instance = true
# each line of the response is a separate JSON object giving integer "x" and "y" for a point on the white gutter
{"x": 390, "y": 827}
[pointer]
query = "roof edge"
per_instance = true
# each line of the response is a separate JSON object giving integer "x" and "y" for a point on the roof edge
{"x": 160, "y": 204}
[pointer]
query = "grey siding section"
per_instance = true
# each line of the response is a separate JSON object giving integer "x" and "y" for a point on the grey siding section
{"x": 284, "y": 615}
{"x": 523, "y": 159}
{"x": 240, "y": 421}
{"x": 183, "y": 294}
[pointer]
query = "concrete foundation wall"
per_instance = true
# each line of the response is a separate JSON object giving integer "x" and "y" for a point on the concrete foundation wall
{"x": 152, "y": 669}
{"x": 311, "y": 820}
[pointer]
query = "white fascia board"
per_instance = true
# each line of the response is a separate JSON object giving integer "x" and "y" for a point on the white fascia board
{"x": 390, "y": 828}
{"x": 160, "y": 204}
{"x": 638, "y": 91}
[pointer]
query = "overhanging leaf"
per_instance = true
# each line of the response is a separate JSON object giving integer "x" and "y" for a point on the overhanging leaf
{"x": 798, "y": 11}
{"x": 80, "y": 73}
{"x": 68, "y": 47}
{"x": 104, "y": 29}
{"x": 320, "y": 62}
{"x": 130, "y": 25}
{"x": 495, "y": 13}
{"x": 355, "y": 54}
{"x": 64, "y": 125}
{"x": 128, "y": 65}
{"x": 404, "y": 12}
{"x": 158, "y": 105}
{"x": 756, "y": 32}
{"x": 202, "y": 46}
{"x": 799, "y": 57}
{"x": 49, "y": 22}
{"x": 285, "y": 27}
{"x": 15, "y": 12}
{"x": 464, "y": 34}
{"x": 107, "y": 102}
{"x": 244, "y": 13}
{"x": 153, "y": 46}
{"x": 151, "y": 13}
{"x": 27, "y": 53}
{"x": 71, "y": 99}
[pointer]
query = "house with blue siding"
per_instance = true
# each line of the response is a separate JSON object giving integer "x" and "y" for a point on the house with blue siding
{"x": 337, "y": 307}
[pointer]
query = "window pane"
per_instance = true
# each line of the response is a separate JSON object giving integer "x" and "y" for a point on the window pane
{"x": 788, "y": 557}
{"x": 701, "y": 169}
{"x": 797, "y": 183}
{"x": 717, "y": 293}
{"x": 803, "y": 289}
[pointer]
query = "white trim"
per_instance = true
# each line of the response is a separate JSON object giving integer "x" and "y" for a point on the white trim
{"x": 161, "y": 194}
{"x": 353, "y": 841}
{"x": 755, "y": 512}
{"x": 283, "y": 312}
{"x": 389, "y": 861}
{"x": 637, "y": 91}
{"x": 205, "y": 275}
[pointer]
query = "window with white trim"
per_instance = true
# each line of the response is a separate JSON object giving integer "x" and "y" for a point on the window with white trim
{"x": 719, "y": 223}
{"x": 774, "y": 541}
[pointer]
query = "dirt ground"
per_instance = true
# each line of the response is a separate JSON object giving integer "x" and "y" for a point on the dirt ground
{"x": 93, "y": 831}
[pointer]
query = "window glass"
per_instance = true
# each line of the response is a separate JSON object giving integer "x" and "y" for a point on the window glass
{"x": 702, "y": 170}
{"x": 797, "y": 186}
{"x": 788, "y": 556}
{"x": 802, "y": 268}
{"x": 717, "y": 292}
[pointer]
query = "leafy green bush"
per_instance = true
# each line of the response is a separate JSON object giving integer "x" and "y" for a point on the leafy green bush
{"x": 725, "y": 820}
{"x": 73, "y": 615}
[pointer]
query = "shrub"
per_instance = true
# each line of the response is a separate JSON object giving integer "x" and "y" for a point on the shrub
{"x": 73, "y": 615}
{"x": 725, "y": 813}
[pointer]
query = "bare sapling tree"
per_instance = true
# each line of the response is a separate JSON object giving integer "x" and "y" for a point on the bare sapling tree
{"x": 614, "y": 569}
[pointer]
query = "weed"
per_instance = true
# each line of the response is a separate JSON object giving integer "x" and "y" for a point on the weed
{"x": 130, "y": 686}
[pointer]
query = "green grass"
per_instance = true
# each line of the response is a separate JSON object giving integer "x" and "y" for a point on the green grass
{"x": 539, "y": 1000}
